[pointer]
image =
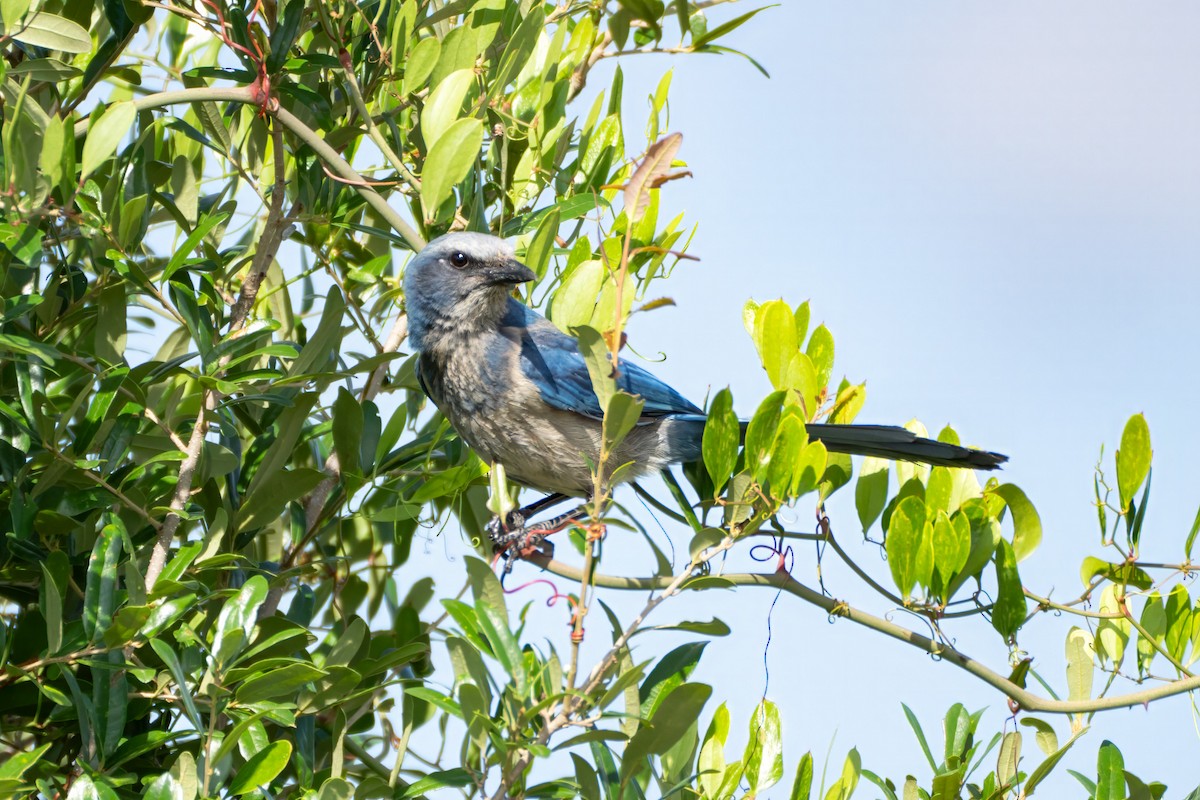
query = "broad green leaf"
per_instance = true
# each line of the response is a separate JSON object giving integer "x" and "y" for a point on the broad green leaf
{"x": 763, "y": 758}
{"x": 820, "y": 351}
{"x": 622, "y": 414}
{"x": 903, "y": 545}
{"x": 1027, "y": 525}
{"x": 420, "y": 63}
{"x": 938, "y": 489}
{"x": 53, "y": 33}
{"x": 775, "y": 338}
{"x": 1179, "y": 615}
{"x": 1133, "y": 458}
{"x": 278, "y": 682}
{"x": 785, "y": 456}
{"x": 104, "y": 136}
{"x": 1047, "y": 740}
{"x": 951, "y": 546}
{"x": 262, "y": 768}
{"x": 449, "y": 161}
{"x": 674, "y": 716}
{"x": 1010, "y": 609}
{"x": 164, "y": 787}
{"x": 440, "y": 779}
{"x": 760, "y": 434}
{"x": 443, "y": 106}
{"x": 237, "y": 619}
{"x": 575, "y": 298}
{"x": 810, "y": 467}
{"x": 720, "y": 442}
{"x": 870, "y": 492}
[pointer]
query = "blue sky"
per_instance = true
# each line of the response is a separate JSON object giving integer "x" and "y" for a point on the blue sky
{"x": 996, "y": 210}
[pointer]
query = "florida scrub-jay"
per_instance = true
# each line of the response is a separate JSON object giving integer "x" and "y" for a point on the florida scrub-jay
{"x": 518, "y": 391}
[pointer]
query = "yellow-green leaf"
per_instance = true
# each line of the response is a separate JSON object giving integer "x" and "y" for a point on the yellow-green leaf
{"x": 1133, "y": 459}
{"x": 449, "y": 161}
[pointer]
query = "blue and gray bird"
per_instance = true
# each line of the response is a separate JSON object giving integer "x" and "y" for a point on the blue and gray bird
{"x": 517, "y": 389}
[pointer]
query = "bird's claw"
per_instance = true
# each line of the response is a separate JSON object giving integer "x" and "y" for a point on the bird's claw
{"x": 518, "y": 540}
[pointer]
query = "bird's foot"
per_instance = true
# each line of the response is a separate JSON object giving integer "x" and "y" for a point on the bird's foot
{"x": 515, "y": 539}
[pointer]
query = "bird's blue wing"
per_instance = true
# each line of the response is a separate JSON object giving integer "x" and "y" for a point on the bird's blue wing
{"x": 552, "y": 361}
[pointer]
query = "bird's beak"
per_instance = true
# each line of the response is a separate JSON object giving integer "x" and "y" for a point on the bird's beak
{"x": 510, "y": 272}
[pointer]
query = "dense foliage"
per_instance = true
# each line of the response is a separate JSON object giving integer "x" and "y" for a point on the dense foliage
{"x": 215, "y": 460}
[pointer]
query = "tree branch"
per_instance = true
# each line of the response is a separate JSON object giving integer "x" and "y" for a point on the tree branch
{"x": 785, "y": 582}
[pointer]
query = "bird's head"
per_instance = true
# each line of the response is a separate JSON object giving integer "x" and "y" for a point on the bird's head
{"x": 459, "y": 284}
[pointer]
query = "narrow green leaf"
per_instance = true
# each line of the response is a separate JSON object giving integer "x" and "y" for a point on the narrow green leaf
{"x": 347, "y": 431}
{"x": 278, "y": 682}
{"x": 711, "y": 766}
{"x": 100, "y": 593}
{"x": 1080, "y": 664}
{"x": 504, "y": 645}
{"x": 802, "y": 785}
{"x": 1110, "y": 773}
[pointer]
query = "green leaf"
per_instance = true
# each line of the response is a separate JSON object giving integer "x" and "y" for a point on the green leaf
{"x": 820, "y": 351}
{"x": 164, "y": 787}
{"x": 443, "y": 106}
{"x": 262, "y": 768}
{"x": 761, "y": 432}
{"x": 726, "y": 27}
{"x": 420, "y": 63}
{"x": 494, "y": 623}
{"x": 871, "y": 490}
{"x": 1111, "y": 634}
{"x": 347, "y": 431}
{"x": 1027, "y": 525}
{"x": 278, "y": 682}
{"x": 1133, "y": 459}
{"x": 1110, "y": 772}
{"x": 104, "y": 136}
{"x": 775, "y": 338}
{"x": 674, "y": 716}
{"x": 1080, "y": 664}
{"x": 100, "y": 593}
{"x": 810, "y": 467}
{"x": 449, "y": 161}
{"x": 1010, "y": 756}
{"x": 1047, "y": 740}
{"x": 53, "y": 33}
{"x": 237, "y": 619}
{"x": 764, "y": 750}
{"x": 720, "y": 442}
{"x": 1010, "y": 610}
{"x": 903, "y": 544}
{"x": 440, "y": 779}
{"x": 575, "y": 298}
{"x": 711, "y": 765}
{"x": 789, "y": 443}
{"x": 951, "y": 546}
{"x": 622, "y": 414}
{"x": 802, "y": 785}
{"x": 1154, "y": 623}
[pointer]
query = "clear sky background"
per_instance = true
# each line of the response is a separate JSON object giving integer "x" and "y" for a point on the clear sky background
{"x": 996, "y": 210}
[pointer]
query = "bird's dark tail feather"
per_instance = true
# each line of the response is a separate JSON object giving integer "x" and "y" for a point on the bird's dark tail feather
{"x": 900, "y": 444}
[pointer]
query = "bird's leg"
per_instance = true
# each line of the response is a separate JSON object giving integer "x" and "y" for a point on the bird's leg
{"x": 497, "y": 529}
{"x": 525, "y": 540}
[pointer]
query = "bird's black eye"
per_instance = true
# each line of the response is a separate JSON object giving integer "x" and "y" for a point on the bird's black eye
{"x": 459, "y": 260}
